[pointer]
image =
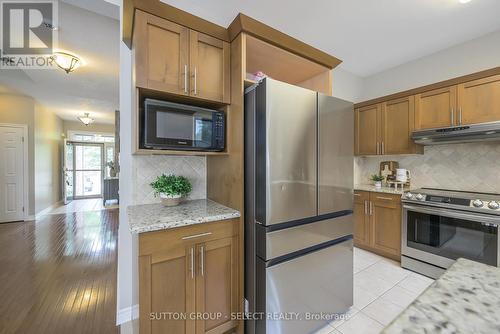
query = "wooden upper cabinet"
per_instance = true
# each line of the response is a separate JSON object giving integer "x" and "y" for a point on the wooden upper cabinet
{"x": 436, "y": 108}
{"x": 366, "y": 130}
{"x": 174, "y": 59}
{"x": 479, "y": 101}
{"x": 398, "y": 123}
{"x": 209, "y": 64}
{"x": 161, "y": 54}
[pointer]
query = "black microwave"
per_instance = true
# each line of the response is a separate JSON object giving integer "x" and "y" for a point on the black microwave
{"x": 174, "y": 126}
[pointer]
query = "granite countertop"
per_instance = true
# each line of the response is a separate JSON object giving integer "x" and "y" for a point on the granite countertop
{"x": 372, "y": 188}
{"x": 465, "y": 299}
{"x": 154, "y": 217}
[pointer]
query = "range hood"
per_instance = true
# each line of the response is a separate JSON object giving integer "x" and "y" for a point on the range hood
{"x": 458, "y": 134}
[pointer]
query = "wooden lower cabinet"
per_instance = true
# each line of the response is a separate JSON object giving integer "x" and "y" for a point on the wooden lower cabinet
{"x": 361, "y": 218}
{"x": 377, "y": 223}
{"x": 188, "y": 279}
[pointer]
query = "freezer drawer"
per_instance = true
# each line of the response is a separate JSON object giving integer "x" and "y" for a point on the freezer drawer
{"x": 320, "y": 282}
{"x": 274, "y": 244}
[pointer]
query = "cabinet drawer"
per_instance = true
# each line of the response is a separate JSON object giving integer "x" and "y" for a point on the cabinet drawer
{"x": 385, "y": 198}
{"x": 167, "y": 240}
{"x": 361, "y": 196}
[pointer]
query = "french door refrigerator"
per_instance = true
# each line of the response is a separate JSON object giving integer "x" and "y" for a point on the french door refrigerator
{"x": 298, "y": 208}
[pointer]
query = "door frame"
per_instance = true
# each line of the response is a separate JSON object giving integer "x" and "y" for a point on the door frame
{"x": 26, "y": 186}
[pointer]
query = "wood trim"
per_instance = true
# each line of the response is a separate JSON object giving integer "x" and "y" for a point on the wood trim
{"x": 246, "y": 24}
{"x": 144, "y": 293}
{"x": 438, "y": 85}
{"x": 170, "y": 13}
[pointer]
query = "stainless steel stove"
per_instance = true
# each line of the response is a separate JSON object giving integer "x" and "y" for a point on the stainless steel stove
{"x": 440, "y": 226}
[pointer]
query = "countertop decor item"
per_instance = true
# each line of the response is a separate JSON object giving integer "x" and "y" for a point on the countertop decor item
{"x": 171, "y": 188}
{"x": 388, "y": 170}
{"x": 465, "y": 299}
{"x": 377, "y": 180}
{"x": 155, "y": 217}
{"x": 383, "y": 189}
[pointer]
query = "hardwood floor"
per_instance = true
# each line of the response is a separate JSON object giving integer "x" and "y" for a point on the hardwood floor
{"x": 58, "y": 274}
{"x": 82, "y": 205}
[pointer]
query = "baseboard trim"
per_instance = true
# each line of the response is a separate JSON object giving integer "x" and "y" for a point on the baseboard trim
{"x": 127, "y": 314}
{"x": 48, "y": 209}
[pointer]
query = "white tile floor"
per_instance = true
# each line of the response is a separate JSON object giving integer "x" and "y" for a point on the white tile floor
{"x": 382, "y": 289}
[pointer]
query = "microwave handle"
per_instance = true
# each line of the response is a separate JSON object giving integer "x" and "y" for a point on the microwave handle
{"x": 453, "y": 214}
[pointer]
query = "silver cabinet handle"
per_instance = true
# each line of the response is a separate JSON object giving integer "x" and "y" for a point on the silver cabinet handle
{"x": 196, "y": 236}
{"x": 371, "y": 208}
{"x": 452, "y": 114}
{"x": 192, "y": 262}
{"x": 382, "y": 148}
{"x": 378, "y": 148}
{"x": 357, "y": 194}
{"x": 460, "y": 116}
{"x": 202, "y": 260}
{"x": 195, "y": 83}
{"x": 185, "y": 78}
{"x": 366, "y": 207}
{"x": 386, "y": 198}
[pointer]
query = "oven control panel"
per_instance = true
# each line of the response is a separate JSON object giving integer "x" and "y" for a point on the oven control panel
{"x": 488, "y": 203}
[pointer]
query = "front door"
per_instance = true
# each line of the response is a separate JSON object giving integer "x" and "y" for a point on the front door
{"x": 11, "y": 173}
{"x": 85, "y": 173}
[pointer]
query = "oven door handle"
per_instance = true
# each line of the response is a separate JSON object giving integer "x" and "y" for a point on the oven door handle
{"x": 477, "y": 217}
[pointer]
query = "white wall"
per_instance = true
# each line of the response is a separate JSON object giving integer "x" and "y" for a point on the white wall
{"x": 473, "y": 56}
{"x": 127, "y": 245}
{"x": 48, "y": 154}
{"x": 469, "y": 57}
{"x": 346, "y": 85}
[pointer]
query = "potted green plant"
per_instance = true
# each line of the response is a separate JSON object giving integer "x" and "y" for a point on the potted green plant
{"x": 171, "y": 188}
{"x": 377, "y": 180}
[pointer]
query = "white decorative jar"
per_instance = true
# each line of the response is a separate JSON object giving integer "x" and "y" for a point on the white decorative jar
{"x": 170, "y": 200}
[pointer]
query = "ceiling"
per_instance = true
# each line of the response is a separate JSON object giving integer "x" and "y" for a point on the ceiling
{"x": 92, "y": 88}
{"x": 368, "y": 36}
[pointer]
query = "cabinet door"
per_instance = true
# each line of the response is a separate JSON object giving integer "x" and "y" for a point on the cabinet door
{"x": 386, "y": 224}
{"x": 398, "y": 123}
{"x": 361, "y": 218}
{"x": 436, "y": 108}
{"x": 367, "y": 130}
{"x": 216, "y": 285}
{"x": 479, "y": 101}
{"x": 167, "y": 284}
{"x": 209, "y": 64}
{"x": 161, "y": 54}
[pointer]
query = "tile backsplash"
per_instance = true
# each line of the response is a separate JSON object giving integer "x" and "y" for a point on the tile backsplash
{"x": 145, "y": 169}
{"x": 469, "y": 167}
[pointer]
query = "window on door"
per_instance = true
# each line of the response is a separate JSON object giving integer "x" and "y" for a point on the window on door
{"x": 84, "y": 164}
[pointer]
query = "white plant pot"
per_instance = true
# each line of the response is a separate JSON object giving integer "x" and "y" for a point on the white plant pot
{"x": 378, "y": 184}
{"x": 170, "y": 200}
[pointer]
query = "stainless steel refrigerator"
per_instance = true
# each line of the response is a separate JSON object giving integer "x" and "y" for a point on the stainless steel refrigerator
{"x": 298, "y": 208}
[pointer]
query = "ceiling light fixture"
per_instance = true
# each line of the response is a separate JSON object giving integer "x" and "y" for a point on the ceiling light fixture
{"x": 66, "y": 61}
{"x": 85, "y": 119}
